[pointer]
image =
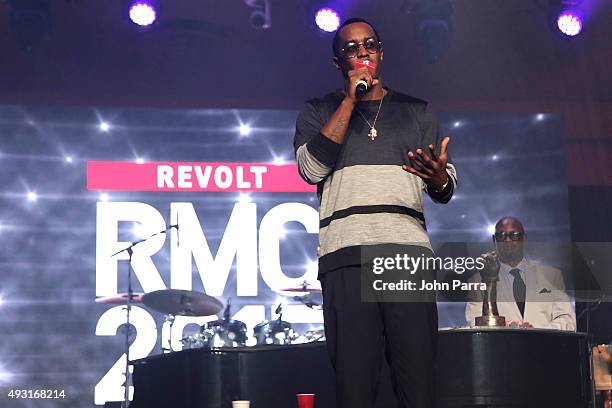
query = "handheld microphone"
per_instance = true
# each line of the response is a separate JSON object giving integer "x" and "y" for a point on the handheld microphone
{"x": 362, "y": 85}
{"x": 361, "y": 88}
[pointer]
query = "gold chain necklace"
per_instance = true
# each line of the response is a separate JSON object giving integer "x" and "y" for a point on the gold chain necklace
{"x": 373, "y": 133}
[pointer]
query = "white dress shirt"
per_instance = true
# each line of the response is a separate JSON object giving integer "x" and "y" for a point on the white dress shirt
{"x": 547, "y": 305}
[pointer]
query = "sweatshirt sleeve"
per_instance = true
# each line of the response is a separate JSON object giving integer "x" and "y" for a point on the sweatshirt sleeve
{"x": 314, "y": 153}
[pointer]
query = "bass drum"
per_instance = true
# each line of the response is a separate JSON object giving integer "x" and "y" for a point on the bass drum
{"x": 274, "y": 332}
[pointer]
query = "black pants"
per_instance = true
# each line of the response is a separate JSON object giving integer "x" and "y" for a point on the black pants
{"x": 357, "y": 332}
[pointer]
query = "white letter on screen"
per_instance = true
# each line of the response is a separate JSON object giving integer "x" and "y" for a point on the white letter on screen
{"x": 184, "y": 177}
{"x": 164, "y": 176}
{"x": 109, "y": 214}
{"x": 270, "y": 232}
{"x": 239, "y": 241}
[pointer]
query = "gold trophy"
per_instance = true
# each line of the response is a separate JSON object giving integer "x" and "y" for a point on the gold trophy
{"x": 490, "y": 275}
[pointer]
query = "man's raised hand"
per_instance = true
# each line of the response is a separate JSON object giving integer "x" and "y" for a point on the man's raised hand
{"x": 431, "y": 169}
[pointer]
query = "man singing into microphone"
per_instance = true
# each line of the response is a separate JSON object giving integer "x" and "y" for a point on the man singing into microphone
{"x": 372, "y": 155}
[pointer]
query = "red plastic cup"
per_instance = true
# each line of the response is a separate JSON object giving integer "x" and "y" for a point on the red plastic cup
{"x": 305, "y": 400}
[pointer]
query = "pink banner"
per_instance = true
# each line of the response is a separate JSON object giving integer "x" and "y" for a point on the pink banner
{"x": 175, "y": 176}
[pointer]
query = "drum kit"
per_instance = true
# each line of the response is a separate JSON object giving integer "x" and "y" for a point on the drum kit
{"x": 225, "y": 332}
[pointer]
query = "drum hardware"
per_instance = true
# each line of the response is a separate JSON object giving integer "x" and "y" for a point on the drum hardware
{"x": 306, "y": 292}
{"x": 311, "y": 336}
{"x": 170, "y": 319}
{"x": 304, "y": 287}
{"x": 275, "y": 331}
{"x": 179, "y": 302}
{"x": 224, "y": 332}
{"x": 308, "y": 301}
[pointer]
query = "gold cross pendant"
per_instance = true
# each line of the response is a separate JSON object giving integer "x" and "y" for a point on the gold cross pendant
{"x": 373, "y": 133}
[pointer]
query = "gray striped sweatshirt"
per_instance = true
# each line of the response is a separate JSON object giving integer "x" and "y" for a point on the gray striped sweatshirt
{"x": 365, "y": 197}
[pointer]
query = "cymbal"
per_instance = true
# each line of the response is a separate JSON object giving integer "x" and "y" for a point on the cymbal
{"x": 304, "y": 288}
{"x": 182, "y": 302}
{"x": 119, "y": 298}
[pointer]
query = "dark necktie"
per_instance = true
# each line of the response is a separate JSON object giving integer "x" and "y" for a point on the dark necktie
{"x": 519, "y": 289}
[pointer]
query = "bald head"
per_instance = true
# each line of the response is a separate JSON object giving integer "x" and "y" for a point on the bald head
{"x": 509, "y": 238}
{"x": 509, "y": 223}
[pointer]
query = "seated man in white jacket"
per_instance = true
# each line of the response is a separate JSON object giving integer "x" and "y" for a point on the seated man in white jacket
{"x": 529, "y": 294}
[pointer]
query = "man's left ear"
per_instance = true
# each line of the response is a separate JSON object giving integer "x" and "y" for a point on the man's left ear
{"x": 336, "y": 62}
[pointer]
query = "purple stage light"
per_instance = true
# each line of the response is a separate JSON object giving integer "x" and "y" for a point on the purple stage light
{"x": 142, "y": 13}
{"x": 327, "y": 19}
{"x": 569, "y": 23}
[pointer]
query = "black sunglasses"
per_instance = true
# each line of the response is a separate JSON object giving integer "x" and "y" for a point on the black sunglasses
{"x": 513, "y": 235}
{"x": 351, "y": 48}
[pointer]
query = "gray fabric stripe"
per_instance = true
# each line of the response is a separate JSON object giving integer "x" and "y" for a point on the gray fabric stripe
{"x": 310, "y": 169}
{"x": 370, "y": 229}
{"x": 371, "y": 185}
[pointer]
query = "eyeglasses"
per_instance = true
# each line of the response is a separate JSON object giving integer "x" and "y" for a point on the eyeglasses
{"x": 513, "y": 235}
{"x": 351, "y": 48}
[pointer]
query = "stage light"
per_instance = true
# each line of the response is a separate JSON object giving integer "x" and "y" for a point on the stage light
{"x": 139, "y": 160}
{"x": 103, "y": 197}
{"x": 491, "y": 229}
{"x": 32, "y": 196}
{"x": 433, "y": 27}
{"x": 104, "y": 127}
{"x": 260, "y": 16}
{"x": 566, "y": 17}
{"x": 1, "y": 300}
{"x": 142, "y": 13}
{"x": 540, "y": 117}
{"x": 457, "y": 124}
{"x": 244, "y": 198}
{"x": 278, "y": 161}
{"x": 494, "y": 157}
{"x": 569, "y": 23}
{"x": 68, "y": 159}
{"x": 327, "y": 19}
{"x": 244, "y": 129}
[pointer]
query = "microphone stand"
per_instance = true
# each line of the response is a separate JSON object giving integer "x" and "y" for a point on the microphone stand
{"x": 130, "y": 251}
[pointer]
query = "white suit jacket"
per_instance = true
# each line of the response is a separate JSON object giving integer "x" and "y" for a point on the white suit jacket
{"x": 547, "y": 305}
